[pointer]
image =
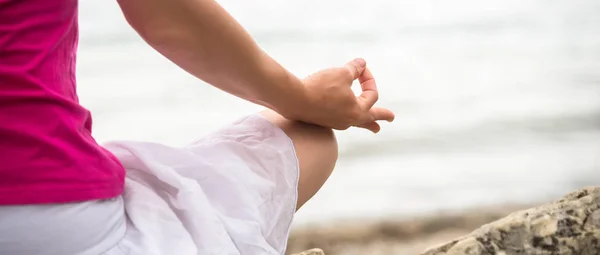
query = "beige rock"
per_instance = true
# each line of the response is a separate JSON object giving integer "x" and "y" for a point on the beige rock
{"x": 570, "y": 225}
{"x": 311, "y": 252}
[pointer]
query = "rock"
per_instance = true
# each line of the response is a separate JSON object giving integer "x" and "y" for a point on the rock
{"x": 311, "y": 252}
{"x": 570, "y": 225}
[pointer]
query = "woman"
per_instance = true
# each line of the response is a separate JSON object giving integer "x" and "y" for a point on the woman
{"x": 232, "y": 192}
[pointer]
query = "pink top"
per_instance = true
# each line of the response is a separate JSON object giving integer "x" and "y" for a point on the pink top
{"x": 47, "y": 153}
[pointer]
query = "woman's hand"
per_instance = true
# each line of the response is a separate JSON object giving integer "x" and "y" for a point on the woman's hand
{"x": 204, "y": 40}
{"x": 332, "y": 102}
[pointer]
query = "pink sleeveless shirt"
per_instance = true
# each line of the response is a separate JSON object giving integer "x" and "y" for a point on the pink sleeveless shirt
{"x": 47, "y": 153}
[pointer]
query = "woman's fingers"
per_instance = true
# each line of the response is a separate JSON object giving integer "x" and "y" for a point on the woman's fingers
{"x": 356, "y": 68}
{"x": 378, "y": 113}
{"x": 371, "y": 126}
{"x": 369, "y": 95}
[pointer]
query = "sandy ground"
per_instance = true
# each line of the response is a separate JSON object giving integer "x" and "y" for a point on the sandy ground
{"x": 410, "y": 235}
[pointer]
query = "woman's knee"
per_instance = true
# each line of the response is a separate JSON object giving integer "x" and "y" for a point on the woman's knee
{"x": 316, "y": 150}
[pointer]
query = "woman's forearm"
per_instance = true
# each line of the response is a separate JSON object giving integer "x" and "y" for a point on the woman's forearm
{"x": 203, "y": 39}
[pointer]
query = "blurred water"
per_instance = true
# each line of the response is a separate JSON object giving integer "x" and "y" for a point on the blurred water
{"x": 496, "y": 101}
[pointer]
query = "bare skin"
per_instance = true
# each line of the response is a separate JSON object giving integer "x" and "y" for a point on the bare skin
{"x": 316, "y": 149}
{"x": 203, "y": 39}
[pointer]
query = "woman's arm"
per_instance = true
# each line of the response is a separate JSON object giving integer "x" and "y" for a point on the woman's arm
{"x": 203, "y": 39}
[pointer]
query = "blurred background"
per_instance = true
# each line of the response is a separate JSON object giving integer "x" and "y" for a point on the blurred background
{"x": 497, "y": 101}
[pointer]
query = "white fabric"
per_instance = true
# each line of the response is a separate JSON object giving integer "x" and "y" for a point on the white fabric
{"x": 86, "y": 228}
{"x": 232, "y": 192}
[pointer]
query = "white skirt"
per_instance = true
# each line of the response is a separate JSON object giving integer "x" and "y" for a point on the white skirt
{"x": 232, "y": 192}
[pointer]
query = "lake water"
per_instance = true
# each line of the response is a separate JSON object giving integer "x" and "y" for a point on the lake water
{"x": 496, "y": 101}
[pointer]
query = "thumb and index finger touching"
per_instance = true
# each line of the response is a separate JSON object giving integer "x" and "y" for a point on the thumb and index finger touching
{"x": 370, "y": 94}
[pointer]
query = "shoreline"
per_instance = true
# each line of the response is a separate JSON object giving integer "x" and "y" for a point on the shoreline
{"x": 406, "y": 235}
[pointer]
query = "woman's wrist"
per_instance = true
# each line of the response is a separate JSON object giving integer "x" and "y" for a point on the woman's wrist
{"x": 290, "y": 98}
